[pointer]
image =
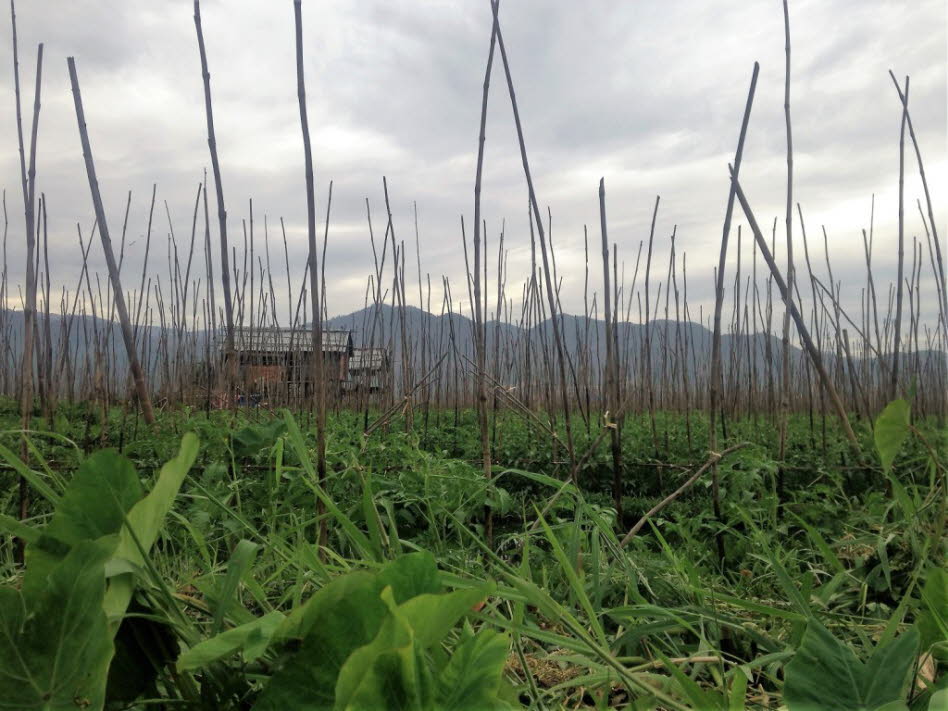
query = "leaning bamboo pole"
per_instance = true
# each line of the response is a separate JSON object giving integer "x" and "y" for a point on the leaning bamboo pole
{"x": 715, "y": 376}
{"x": 897, "y": 330}
{"x": 118, "y": 295}
{"x": 812, "y": 351}
{"x": 554, "y": 318}
{"x": 221, "y": 211}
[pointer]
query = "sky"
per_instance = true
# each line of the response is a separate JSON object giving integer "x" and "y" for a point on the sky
{"x": 648, "y": 95}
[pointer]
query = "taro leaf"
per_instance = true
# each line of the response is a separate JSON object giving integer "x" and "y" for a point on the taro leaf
{"x": 249, "y": 440}
{"x": 892, "y": 427}
{"x": 825, "y": 675}
{"x": 145, "y": 519}
{"x": 431, "y": 617}
{"x": 388, "y": 673}
{"x": 888, "y": 667}
{"x": 933, "y": 621}
{"x": 343, "y": 616}
{"x": 411, "y": 575}
{"x": 94, "y": 504}
{"x": 55, "y": 646}
{"x": 251, "y": 638}
{"x": 474, "y": 675}
{"x": 939, "y": 701}
{"x": 97, "y": 499}
{"x": 337, "y": 620}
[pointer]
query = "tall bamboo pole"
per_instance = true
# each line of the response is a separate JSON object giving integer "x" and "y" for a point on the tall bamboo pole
{"x": 28, "y": 180}
{"x": 221, "y": 211}
{"x": 315, "y": 291}
{"x": 897, "y": 331}
{"x": 610, "y": 395}
{"x": 138, "y": 375}
{"x": 480, "y": 345}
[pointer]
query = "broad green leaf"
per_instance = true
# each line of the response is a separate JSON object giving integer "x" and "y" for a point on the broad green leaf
{"x": 251, "y": 638}
{"x": 144, "y": 520}
{"x": 410, "y": 575}
{"x": 474, "y": 674}
{"x": 94, "y": 504}
{"x": 736, "y": 696}
{"x": 889, "y": 666}
{"x": 97, "y": 499}
{"x": 55, "y": 646}
{"x": 892, "y": 427}
{"x": 390, "y": 672}
{"x": 939, "y": 701}
{"x": 343, "y": 616}
{"x": 431, "y": 617}
{"x": 825, "y": 674}
{"x": 933, "y": 622}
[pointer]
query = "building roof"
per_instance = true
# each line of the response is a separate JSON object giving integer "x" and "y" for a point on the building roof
{"x": 283, "y": 340}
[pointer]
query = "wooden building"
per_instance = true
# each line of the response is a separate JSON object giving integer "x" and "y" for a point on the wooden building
{"x": 369, "y": 370}
{"x": 272, "y": 360}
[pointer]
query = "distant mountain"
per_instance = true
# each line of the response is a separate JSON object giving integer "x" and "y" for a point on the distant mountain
{"x": 584, "y": 342}
{"x": 580, "y": 337}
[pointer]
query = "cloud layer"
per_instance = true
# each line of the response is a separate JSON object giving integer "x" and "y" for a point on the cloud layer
{"x": 648, "y": 95}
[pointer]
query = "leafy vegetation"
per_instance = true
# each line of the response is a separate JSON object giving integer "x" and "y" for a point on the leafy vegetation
{"x": 185, "y": 570}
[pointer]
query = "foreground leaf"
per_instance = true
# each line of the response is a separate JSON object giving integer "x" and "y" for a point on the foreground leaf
{"x": 143, "y": 523}
{"x": 473, "y": 677}
{"x": 825, "y": 674}
{"x": 55, "y": 647}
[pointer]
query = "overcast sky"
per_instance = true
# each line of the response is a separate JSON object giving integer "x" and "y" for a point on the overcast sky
{"x": 647, "y": 94}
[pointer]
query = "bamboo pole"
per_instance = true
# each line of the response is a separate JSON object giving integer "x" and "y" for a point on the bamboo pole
{"x": 141, "y": 387}
{"x": 221, "y": 211}
{"x": 315, "y": 292}
{"x": 480, "y": 346}
{"x": 813, "y": 352}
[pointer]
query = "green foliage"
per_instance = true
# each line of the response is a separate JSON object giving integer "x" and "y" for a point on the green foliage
{"x": 367, "y": 641}
{"x": 891, "y": 430}
{"x": 825, "y": 674}
{"x": 933, "y": 622}
{"x": 250, "y": 639}
{"x": 55, "y": 645}
{"x": 218, "y": 592}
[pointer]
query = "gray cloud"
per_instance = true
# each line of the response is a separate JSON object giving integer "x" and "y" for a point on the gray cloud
{"x": 648, "y": 95}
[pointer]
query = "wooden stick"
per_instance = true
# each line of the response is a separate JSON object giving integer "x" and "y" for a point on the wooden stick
{"x": 315, "y": 293}
{"x": 795, "y": 314}
{"x": 480, "y": 345}
{"x": 118, "y": 294}
{"x": 712, "y": 461}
